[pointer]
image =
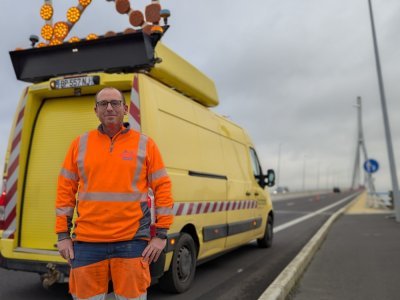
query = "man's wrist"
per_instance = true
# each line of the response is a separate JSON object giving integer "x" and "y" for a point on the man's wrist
{"x": 161, "y": 236}
{"x": 161, "y": 233}
{"x": 63, "y": 236}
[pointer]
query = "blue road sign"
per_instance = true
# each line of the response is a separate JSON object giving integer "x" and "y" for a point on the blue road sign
{"x": 371, "y": 166}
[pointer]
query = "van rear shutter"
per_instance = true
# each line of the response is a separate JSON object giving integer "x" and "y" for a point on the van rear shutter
{"x": 58, "y": 123}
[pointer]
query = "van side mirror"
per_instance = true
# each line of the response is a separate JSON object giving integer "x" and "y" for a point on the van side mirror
{"x": 270, "y": 178}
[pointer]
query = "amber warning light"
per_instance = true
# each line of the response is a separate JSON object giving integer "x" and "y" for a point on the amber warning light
{"x": 148, "y": 21}
{"x": 56, "y": 53}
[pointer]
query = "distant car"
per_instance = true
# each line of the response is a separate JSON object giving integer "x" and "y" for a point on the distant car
{"x": 281, "y": 190}
{"x": 336, "y": 189}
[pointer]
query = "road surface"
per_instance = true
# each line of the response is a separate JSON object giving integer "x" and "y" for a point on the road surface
{"x": 243, "y": 273}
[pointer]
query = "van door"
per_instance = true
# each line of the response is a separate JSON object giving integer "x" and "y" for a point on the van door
{"x": 242, "y": 202}
{"x": 185, "y": 134}
{"x": 258, "y": 192}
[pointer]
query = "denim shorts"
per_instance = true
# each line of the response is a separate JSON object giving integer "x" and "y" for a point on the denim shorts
{"x": 89, "y": 253}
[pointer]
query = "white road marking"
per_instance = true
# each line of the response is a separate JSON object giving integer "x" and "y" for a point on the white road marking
{"x": 308, "y": 216}
{"x": 294, "y": 212}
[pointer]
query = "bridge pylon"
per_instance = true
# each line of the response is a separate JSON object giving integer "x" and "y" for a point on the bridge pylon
{"x": 361, "y": 149}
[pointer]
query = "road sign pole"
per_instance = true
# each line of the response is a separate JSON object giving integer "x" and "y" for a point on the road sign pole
{"x": 392, "y": 163}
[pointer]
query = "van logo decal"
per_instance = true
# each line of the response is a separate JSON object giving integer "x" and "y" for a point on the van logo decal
{"x": 127, "y": 155}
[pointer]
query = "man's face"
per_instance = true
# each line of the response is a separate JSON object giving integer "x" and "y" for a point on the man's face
{"x": 109, "y": 115}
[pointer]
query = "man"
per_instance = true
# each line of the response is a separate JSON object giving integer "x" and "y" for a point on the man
{"x": 107, "y": 174}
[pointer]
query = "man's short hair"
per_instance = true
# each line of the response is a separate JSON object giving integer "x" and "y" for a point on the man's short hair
{"x": 110, "y": 88}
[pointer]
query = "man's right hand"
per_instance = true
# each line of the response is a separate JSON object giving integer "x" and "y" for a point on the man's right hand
{"x": 66, "y": 250}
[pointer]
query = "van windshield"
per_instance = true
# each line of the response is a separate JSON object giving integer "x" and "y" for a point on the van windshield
{"x": 255, "y": 163}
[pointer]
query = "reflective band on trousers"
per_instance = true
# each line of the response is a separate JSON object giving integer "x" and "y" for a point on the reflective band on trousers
{"x": 97, "y": 297}
{"x": 164, "y": 211}
{"x": 68, "y": 174}
{"x": 141, "y": 297}
{"x": 141, "y": 154}
{"x": 122, "y": 197}
{"x": 117, "y": 297}
{"x": 157, "y": 175}
{"x": 81, "y": 156}
{"x": 65, "y": 211}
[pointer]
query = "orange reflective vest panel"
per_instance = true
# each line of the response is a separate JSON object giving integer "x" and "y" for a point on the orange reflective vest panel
{"x": 108, "y": 181}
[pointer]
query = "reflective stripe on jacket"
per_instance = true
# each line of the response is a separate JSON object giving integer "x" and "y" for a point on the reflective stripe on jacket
{"x": 109, "y": 179}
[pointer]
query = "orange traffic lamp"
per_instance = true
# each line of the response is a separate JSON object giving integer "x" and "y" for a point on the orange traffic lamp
{"x": 74, "y": 39}
{"x": 47, "y": 32}
{"x": 92, "y": 36}
{"x": 61, "y": 30}
{"x": 55, "y": 42}
{"x": 152, "y": 13}
{"x": 147, "y": 29}
{"x": 136, "y": 18}
{"x": 122, "y": 6}
{"x": 110, "y": 33}
{"x": 73, "y": 14}
{"x": 46, "y": 12}
{"x": 129, "y": 30}
{"x": 157, "y": 29}
{"x": 41, "y": 45}
{"x": 85, "y": 3}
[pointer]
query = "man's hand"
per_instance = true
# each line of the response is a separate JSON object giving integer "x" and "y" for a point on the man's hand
{"x": 66, "y": 250}
{"x": 153, "y": 250}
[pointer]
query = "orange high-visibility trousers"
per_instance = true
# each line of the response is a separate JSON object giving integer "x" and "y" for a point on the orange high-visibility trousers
{"x": 95, "y": 264}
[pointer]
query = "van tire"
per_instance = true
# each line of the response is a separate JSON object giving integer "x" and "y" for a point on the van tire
{"x": 266, "y": 240}
{"x": 180, "y": 275}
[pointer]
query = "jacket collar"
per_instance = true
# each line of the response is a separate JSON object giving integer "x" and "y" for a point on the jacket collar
{"x": 125, "y": 128}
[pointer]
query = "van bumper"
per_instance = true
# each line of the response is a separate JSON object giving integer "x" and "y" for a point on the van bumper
{"x": 40, "y": 263}
{"x": 31, "y": 266}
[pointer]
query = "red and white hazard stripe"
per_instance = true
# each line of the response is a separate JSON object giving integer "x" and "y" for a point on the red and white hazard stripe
{"x": 134, "y": 106}
{"x": 195, "y": 208}
{"x": 134, "y": 121}
{"x": 12, "y": 175}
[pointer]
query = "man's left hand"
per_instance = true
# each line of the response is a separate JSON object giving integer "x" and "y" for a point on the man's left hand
{"x": 153, "y": 250}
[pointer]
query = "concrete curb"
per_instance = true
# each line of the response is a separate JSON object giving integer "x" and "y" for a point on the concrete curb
{"x": 280, "y": 288}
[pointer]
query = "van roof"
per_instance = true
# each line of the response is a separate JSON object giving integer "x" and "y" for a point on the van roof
{"x": 123, "y": 53}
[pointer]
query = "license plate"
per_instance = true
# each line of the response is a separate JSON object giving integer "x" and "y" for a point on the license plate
{"x": 74, "y": 82}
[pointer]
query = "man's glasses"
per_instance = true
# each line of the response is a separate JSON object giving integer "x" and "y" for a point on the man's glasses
{"x": 104, "y": 103}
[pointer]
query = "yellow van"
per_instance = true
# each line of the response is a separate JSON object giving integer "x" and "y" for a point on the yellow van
{"x": 218, "y": 184}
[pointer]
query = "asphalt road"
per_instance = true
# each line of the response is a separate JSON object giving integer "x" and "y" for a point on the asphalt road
{"x": 243, "y": 273}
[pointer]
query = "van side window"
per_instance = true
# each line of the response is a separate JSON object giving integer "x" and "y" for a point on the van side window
{"x": 255, "y": 163}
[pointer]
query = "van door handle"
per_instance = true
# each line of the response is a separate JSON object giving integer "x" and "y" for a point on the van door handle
{"x": 248, "y": 193}
{"x": 256, "y": 194}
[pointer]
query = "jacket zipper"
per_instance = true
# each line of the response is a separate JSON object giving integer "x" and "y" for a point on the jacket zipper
{"x": 113, "y": 141}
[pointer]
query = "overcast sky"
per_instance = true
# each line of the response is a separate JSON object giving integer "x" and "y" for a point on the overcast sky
{"x": 288, "y": 71}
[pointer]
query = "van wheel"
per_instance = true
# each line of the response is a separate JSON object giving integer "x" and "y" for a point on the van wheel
{"x": 266, "y": 240}
{"x": 180, "y": 275}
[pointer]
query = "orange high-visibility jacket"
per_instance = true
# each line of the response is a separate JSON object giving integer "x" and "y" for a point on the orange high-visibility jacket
{"x": 112, "y": 178}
